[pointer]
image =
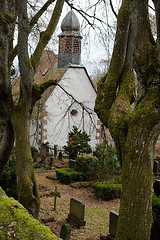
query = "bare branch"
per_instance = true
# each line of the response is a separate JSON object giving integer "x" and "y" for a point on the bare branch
{"x": 46, "y": 35}
{"x": 111, "y": 4}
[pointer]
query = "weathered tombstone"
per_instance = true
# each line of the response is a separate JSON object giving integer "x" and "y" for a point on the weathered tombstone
{"x": 51, "y": 162}
{"x": 47, "y": 148}
{"x": 43, "y": 158}
{"x": 71, "y": 163}
{"x": 35, "y": 156}
{"x": 55, "y": 151}
{"x": 60, "y": 156}
{"x": 113, "y": 222}
{"x": 56, "y": 194}
{"x": 156, "y": 186}
{"x": 65, "y": 233}
{"x": 77, "y": 212}
{"x": 155, "y": 167}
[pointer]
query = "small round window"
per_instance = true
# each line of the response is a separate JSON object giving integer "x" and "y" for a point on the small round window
{"x": 74, "y": 112}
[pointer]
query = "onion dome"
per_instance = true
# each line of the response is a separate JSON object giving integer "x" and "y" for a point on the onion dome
{"x": 70, "y": 22}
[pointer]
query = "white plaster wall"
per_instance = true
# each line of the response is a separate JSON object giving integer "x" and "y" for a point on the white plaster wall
{"x": 59, "y": 105}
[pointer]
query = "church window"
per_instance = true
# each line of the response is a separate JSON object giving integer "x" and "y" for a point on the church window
{"x": 76, "y": 46}
{"x": 74, "y": 112}
{"x": 45, "y": 71}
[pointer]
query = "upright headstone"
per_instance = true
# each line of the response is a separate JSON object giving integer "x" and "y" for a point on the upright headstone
{"x": 77, "y": 212}
{"x": 71, "y": 163}
{"x": 65, "y": 233}
{"x": 156, "y": 167}
{"x": 47, "y": 148}
{"x": 113, "y": 222}
{"x": 51, "y": 162}
{"x": 55, "y": 151}
{"x": 156, "y": 187}
{"x": 43, "y": 158}
{"x": 60, "y": 156}
{"x": 35, "y": 157}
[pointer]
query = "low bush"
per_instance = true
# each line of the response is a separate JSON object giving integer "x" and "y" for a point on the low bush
{"x": 82, "y": 163}
{"x": 107, "y": 190}
{"x": 104, "y": 164}
{"x": 8, "y": 181}
{"x": 155, "y": 231}
{"x": 68, "y": 175}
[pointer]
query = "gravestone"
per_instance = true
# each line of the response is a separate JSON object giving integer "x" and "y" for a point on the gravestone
{"x": 156, "y": 186}
{"x": 55, "y": 151}
{"x": 43, "y": 159}
{"x": 60, "y": 156}
{"x": 51, "y": 162}
{"x": 113, "y": 222}
{"x": 77, "y": 212}
{"x": 156, "y": 167}
{"x": 35, "y": 156}
{"x": 56, "y": 194}
{"x": 65, "y": 233}
{"x": 71, "y": 163}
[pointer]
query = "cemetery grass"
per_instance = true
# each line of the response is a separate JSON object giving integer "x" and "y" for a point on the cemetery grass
{"x": 96, "y": 210}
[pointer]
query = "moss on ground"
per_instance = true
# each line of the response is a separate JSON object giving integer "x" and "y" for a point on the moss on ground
{"x": 17, "y": 223}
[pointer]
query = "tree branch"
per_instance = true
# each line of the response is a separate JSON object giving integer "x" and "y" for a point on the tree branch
{"x": 38, "y": 90}
{"x": 33, "y": 21}
{"x": 111, "y": 4}
{"x": 46, "y": 35}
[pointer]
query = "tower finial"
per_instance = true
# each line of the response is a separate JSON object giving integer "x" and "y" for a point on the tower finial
{"x": 71, "y": 5}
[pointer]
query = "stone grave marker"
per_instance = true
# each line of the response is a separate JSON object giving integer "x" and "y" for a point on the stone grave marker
{"x": 65, "y": 233}
{"x": 156, "y": 167}
{"x": 56, "y": 194}
{"x": 71, "y": 163}
{"x": 156, "y": 186}
{"x": 113, "y": 222}
{"x": 77, "y": 212}
{"x": 35, "y": 156}
{"x": 43, "y": 159}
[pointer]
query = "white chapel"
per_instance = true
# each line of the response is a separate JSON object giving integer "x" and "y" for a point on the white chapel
{"x": 71, "y": 102}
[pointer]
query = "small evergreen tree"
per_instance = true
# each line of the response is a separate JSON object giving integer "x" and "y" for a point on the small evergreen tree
{"x": 78, "y": 143}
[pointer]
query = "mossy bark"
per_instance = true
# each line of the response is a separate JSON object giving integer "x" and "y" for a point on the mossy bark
{"x": 28, "y": 194}
{"x": 16, "y": 221}
{"x": 133, "y": 117}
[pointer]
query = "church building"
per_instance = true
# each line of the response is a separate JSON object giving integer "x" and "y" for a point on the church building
{"x": 71, "y": 102}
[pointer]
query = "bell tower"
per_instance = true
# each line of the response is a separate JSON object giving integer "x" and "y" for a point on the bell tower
{"x": 69, "y": 41}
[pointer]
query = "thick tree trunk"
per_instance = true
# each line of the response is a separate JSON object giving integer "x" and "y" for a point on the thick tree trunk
{"x": 135, "y": 218}
{"x": 28, "y": 194}
{"x": 6, "y": 145}
{"x": 134, "y": 128}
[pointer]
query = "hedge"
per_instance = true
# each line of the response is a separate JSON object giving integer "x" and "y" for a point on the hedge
{"x": 107, "y": 190}
{"x": 68, "y": 175}
{"x": 155, "y": 231}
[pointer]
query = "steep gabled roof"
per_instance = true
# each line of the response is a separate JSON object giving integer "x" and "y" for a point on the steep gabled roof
{"x": 47, "y": 70}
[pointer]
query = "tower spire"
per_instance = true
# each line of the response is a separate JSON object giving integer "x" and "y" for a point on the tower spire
{"x": 69, "y": 40}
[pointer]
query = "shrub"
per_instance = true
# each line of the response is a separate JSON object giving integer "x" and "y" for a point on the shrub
{"x": 68, "y": 175}
{"x": 107, "y": 190}
{"x": 8, "y": 180}
{"x": 155, "y": 231}
{"x": 82, "y": 163}
{"x": 33, "y": 149}
{"x": 105, "y": 163}
{"x": 78, "y": 143}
